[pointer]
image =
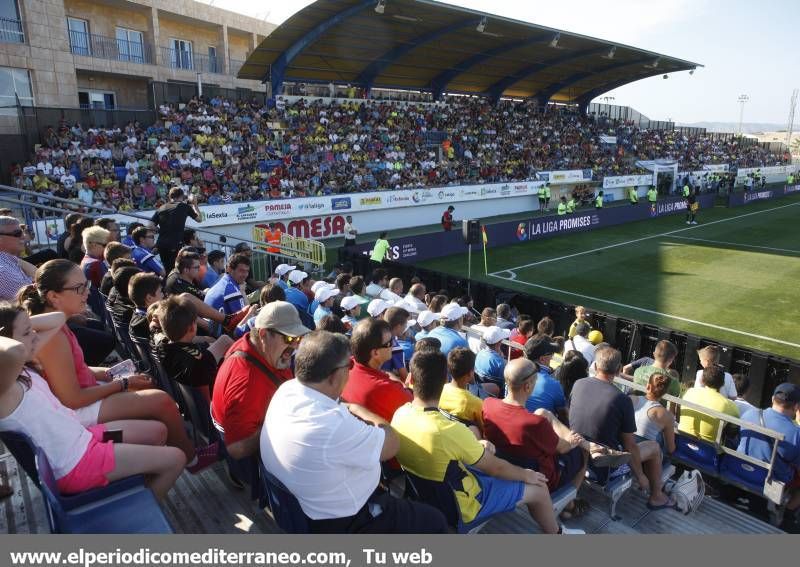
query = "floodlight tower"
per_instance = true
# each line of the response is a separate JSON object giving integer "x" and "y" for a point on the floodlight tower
{"x": 742, "y": 101}
{"x": 790, "y": 122}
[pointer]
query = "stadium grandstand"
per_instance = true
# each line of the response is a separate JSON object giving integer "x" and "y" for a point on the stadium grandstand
{"x": 175, "y": 331}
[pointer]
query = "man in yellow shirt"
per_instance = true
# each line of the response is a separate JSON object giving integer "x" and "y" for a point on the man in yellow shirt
{"x": 703, "y": 425}
{"x": 456, "y": 398}
{"x": 440, "y": 450}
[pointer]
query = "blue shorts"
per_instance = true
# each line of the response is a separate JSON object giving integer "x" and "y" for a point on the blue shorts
{"x": 496, "y": 496}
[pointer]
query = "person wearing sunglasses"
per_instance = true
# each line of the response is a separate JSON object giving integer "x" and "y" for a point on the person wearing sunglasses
{"x": 254, "y": 367}
{"x": 17, "y": 273}
{"x": 60, "y": 286}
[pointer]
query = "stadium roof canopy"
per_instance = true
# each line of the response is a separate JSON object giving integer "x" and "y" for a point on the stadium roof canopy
{"x": 430, "y": 46}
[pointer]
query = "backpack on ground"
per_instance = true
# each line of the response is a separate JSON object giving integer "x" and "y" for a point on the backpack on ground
{"x": 688, "y": 491}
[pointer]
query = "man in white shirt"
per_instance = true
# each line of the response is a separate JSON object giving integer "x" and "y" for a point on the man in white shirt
{"x": 710, "y": 355}
{"x": 488, "y": 319}
{"x": 580, "y": 343}
{"x": 328, "y": 453}
{"x": 350, "y": 233}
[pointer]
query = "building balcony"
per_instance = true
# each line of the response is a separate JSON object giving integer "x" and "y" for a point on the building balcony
{"x": 11, "y": 31}
{"x": 93, "y": 45}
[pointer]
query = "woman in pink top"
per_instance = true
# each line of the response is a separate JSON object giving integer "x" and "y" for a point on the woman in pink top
{"x": 60, "y": 286}
{"x": 80, "y": 457}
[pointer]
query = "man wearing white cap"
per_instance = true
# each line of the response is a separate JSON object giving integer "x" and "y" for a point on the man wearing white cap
{"x": 324, "y": 296}
{"x": 450, "y": 321}
{"x": 295, "y": 294}
{"x": 254, "y": 367}
{"x": 281, "y": 273}
{"x": 376, "y": 307}
{"x": 489, "y": 362}
{"x": 312, "y": 307}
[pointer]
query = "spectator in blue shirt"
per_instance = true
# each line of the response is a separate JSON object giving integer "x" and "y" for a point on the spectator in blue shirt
{"x": 451, "y": 319}
{"x": 226, "y": 295}
{"x": 490, "y": 363}
{"x": 397, "y": 317}
{"x": 128, "y": 240}
{"x": 215, "y": 266}
{"x": 780, "y": 417}
{"x": 547, "y": 393}
{"x": 282, "y": 274}
{"x": 426, "y": 321}
{"x": 141, "y": 252}
{"x": 324, "y": 298}
{"x": 296, "y": 295}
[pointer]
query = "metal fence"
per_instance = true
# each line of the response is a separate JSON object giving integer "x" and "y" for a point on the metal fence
{"x": 177, "y": 59}
{"x": 11, "y": 31}
{"x": 101, "y": 47}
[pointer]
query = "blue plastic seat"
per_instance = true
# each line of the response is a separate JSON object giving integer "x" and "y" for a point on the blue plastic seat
{"x": 283, "y": 504}
{"x": 696, "y": 453}
{"x": 132, "y": 509}
{"x": 739, "y": 472}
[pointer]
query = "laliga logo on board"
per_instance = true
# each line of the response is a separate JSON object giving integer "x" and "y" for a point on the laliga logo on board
{"x": 522, "y": 232}
{"x": 51, "y": 230}
{"x": 246, "y": 212}
{"x": 653, "y": 210}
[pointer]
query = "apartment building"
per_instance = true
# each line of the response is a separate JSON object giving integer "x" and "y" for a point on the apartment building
{"x": 106, "y": 53}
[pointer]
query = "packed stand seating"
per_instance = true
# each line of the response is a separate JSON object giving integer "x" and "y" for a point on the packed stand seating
{"x": 383, "y": 384}
{"x": 222, "y": 151}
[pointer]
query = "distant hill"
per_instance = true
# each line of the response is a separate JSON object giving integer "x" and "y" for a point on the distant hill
{"x": 747, "y": 127}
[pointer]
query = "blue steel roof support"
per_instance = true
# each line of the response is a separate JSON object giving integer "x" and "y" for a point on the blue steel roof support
{"x": 368, "y": 75}
{"x": 439, "y": 82}
{"x": 496, "y": 90}
{"x": 572, "y": 79}
{"x": 278, "y": 68}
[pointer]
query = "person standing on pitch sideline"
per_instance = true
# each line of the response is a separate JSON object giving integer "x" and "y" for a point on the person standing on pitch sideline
{"x": 547, "y": 196}
{"x": 542, "y": 198}
{"x": 652, "y": 195}
{"x": 350, "y": 233}
{"x": 447, "y": 218}
{"x": 379, "y": 249}
{"x": 692, "y": 206}
{"x": 633, "y": 196}
{"x": 598, "y": 201}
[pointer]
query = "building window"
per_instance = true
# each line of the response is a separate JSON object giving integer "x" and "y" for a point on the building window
{"x": 130, "y": 44}
{"x": 79, "y": 36}
{"x": 181, "y": 54}
{"x": 213, "y": 64}
{"x": 102, "y": 100}
{"x": 10, "y": 22}
{"x": 15, "y": 88}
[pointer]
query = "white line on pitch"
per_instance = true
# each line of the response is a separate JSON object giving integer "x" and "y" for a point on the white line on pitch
{"x": 540, "y": 262}
{"x": 739, "y": 244}
{"x": 633, "y": 307}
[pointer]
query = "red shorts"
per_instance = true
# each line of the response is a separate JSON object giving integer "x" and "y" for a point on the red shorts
{"x": 91, "y": 470}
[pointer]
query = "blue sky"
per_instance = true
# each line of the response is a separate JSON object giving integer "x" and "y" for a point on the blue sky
{"x": 747, "y": 47}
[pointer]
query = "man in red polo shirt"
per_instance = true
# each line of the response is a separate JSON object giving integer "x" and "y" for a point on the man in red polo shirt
{"x": 369, "y": 386}
{"x": 253, "y": 368}
{"x": 447, "y": 218}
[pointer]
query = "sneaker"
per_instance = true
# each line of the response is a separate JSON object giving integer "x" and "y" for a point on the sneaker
{"x": 688, "y": 222}
{"x": 206, "y": 456}
{"x": 694, "y": 222}
{"x": 571, "y": 531}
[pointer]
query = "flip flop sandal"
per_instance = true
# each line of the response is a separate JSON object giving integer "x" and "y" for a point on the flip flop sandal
{"x": 669, "y": 504}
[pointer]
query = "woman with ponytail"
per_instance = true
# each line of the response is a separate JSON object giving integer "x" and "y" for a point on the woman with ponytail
{"x": 61, "y": 286}
{"x": 80, "y": 456}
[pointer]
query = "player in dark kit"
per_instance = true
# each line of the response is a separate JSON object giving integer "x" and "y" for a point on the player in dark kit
{"x": 692, "y": 206}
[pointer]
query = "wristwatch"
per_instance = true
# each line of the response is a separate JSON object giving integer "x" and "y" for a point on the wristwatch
{"x": 124, "y": 384}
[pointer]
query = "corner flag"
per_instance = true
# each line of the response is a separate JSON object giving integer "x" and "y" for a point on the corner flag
{"x": 485, "y": 242}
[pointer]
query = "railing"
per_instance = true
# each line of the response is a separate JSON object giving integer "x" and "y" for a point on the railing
{"x": 101, "y": 47}
{"x": 11, "y": 31}
{"x": 190, "y": 61}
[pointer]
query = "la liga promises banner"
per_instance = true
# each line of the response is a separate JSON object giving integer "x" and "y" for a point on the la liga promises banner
{"x": 436, "y": 245}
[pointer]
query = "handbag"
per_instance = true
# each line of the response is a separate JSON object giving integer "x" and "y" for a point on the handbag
{"x": 688, "y": 491}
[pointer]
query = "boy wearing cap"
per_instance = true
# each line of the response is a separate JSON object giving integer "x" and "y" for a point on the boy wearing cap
{"x": 451, "y": 320}
{"x": 548, "y": 393}
{"x": 351, "y": 306}
{"x": 254, "y": 367}
{"x": 489, "y": 362}
{"x": 295, "y": 294}
{"x": 780, "y": 418}
{"x": 282, "y": 273}
{"x": 324, "y": 297}
{"x": 427, "y": 321}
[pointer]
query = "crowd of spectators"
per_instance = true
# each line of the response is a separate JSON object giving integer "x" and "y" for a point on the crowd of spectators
{"x": 222, "y": 151}
{"x": 334, "y": 385}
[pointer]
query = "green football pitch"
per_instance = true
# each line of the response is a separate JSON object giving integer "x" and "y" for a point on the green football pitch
{"x": 734, "y": 277}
